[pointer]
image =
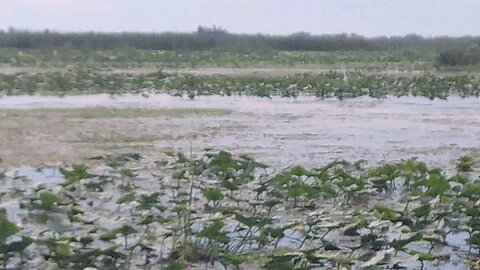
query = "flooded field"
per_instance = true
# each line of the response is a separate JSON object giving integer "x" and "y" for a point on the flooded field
{"x": 280, "y": 131}
{"x": 139, "y": 203}
{"x": 285, "y": 147}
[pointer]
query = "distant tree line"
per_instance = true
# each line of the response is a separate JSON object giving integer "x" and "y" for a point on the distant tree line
{"x": 213, "y": 38}
{"x": 450, "y": 51}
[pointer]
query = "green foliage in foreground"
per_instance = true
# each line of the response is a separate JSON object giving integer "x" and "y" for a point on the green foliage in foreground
{"x": 327, "y": 85}
{"x": 193, "y": 212}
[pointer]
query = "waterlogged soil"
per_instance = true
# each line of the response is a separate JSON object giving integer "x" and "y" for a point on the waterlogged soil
{"x": 38, "y": 130}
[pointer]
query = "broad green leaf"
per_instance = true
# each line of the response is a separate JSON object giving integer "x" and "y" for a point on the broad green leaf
{"x": 62, "y": 248}
{"x": 7, "y": 228}
{"x": 48, "y": 200}
{"x": 437, "y": 185}
{"x": 213, "y": 194}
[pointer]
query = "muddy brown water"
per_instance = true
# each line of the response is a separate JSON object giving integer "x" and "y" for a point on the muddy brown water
{"x": 278, "y": 131}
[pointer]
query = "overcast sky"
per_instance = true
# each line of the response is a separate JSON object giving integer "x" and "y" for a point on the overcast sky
{"x": 365, "y": 17}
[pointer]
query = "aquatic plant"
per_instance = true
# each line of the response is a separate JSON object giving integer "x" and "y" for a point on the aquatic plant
{"x": 327, "y": 85}
{"x": 221, "y": 208}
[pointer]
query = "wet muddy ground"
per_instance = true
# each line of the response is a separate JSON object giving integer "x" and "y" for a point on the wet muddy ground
{"x": 48, "y": 130}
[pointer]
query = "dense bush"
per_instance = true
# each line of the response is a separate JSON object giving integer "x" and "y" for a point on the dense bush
{"x": 460, "y": 56}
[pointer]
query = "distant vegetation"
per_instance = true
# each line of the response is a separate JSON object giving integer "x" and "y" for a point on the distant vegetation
{"x": 216, "y": 47}
{"x": 460, "y": 55}
{"x": 93, "y": 63}
{"x": 129, "y": 57}
{"x": 206, "y": 38}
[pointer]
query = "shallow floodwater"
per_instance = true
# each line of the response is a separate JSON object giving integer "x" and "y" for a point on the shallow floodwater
{"x": 39, "y": 176}
{"x": 278, "y": 131}
{"x": 283, "y": 131}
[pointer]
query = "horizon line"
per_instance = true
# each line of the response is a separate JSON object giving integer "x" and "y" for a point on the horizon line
{"x": 226, "y": 32}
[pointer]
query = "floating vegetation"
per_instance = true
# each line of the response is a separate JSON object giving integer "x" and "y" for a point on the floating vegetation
{"x": 187, "y": 212}
{"x": 328, "y": 85}
{"x": 129, "y": 57}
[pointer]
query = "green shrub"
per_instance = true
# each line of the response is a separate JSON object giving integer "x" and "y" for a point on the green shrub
{"x": 459, "y": 56}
